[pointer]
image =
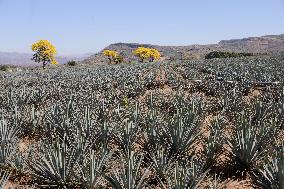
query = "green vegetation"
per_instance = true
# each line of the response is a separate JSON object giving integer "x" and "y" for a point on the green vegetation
{"x": 195, "y": 124}
{"x": 5, "y": 67}
{"x": 118, "y": 59}
{"x": 220, "y": 54}
{"x": 72, "y": 63}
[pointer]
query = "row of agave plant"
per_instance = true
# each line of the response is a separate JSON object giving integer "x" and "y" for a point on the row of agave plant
{"x": 104, "y": 136}
{"x": 132, "y": 147}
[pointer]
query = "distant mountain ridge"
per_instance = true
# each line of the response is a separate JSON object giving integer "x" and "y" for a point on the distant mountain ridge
{"x": 263, "y": 44}
{"x": 24, "y": 59}
{"x": 268, "y": 43}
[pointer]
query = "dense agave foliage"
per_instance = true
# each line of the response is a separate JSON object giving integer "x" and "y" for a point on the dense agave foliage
{"x": 3, "y": 179}
{"x": 162, "y": 125}
{"x": 273, "y": 171}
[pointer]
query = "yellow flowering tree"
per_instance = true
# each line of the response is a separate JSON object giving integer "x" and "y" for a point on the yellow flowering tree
{"x": 142, "y": 53}
{"x": 154, "y": 55}
{"x": 111, "y": 55}
{"x": 147, "y": 53}
{"x": 44, "y": 52}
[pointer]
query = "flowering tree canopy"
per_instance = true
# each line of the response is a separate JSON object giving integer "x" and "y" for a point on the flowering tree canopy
{"x": 44, "y": 52}
{"x": 113, "y": 56}
{"x": 147, "y": 53}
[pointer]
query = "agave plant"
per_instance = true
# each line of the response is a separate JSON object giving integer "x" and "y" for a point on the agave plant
{"x": 93, "y": 168}
{"x": 37, "y": 96}
{"x": 78, "y": 128}
{"x": 166, "y": 144}
{"x": 9, "y": 141}
{"x": 217, "y": 183}
{"x": 16, "y": 99}
{"x": 278, "y": 109}
{"x": 156, "y": 148}
{"x": 185, "y": 176}
{"x": 214, "y": 143}
{"x": 263, "y": 111}
{"x": 247, "y": 145}
{"x": 132, "y": 175}
{"x": 57, "y": 163}
{"x": 61, "y": 122}
{"x": 162, "y": 162}
{"x": 125, "y": 136}
{"x": 4, "y": 177}
{"x": 182, "y": 132}
{"x": 85, "y": 133}
{"x": 273, "y": 171}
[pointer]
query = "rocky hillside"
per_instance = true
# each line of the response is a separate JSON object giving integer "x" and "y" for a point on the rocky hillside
{"x": 269, "y": 43}
{"x": 264, "y": 44}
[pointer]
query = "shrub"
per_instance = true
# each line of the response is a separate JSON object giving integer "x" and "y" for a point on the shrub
{"x": 220, "y": 54}
{"x": 72, "y": 63}
{"x": 4, "y": 67}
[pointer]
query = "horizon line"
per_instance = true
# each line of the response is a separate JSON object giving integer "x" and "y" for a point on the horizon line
{"x": 120, "y": 42}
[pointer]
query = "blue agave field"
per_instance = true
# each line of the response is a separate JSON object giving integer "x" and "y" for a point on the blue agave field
{"x": 191, "y": 124}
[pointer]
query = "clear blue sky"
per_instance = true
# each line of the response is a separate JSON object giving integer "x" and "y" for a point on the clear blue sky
{"x": 83, "y": 26}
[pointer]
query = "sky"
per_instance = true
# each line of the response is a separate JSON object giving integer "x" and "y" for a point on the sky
{"x": 87, "y": 26}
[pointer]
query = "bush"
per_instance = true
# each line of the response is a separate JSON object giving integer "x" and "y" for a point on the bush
{"x": 4, "y": 67}
{"x": 219, "y": 54}
{"x": 72, "y": 63}
{"x": 118, "y": 59}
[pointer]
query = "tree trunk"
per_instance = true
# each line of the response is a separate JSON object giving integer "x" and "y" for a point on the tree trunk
{"x": 43, "y": 65}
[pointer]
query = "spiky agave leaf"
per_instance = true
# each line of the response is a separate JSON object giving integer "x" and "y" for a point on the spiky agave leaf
{"x": 151, "y": 135}
{"x": 57, "y": 164}
{"x": 213, "y": 146}
{"x": 76, "y": 128}
{"x": 217, "y": 183}
{"x": 56, "y": 126}
{"x": 246, "y": 146}
{"x": 186, "y": 176}
{"x": 4, "y": 177}
{"x": 260, "y": 110}
{"x": 155, "y": 146}
{"x": 93, "y": 168}
{"x": 125, "y": 136}
{"x": 171, "y": 143}
{"x": 182, "y": 132}
{"x": 157, "y": 150}
{"x": 103, "y": 134}
{"x": 8, "y": 132}
{"x": 162, "y": 162}
{"x": 8, "y": 146}
{"x": 84, "y": 133}
{"x": 131, "y": 176}
{"x": 62, "y": 121}
{"x": 273, "y": 171}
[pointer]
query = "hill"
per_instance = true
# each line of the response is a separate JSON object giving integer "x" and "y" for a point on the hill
{"x": 24, "y": 59}
{"x": 264, "y": 44}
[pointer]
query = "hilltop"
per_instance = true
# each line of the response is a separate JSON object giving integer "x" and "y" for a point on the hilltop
{"x": 263, "y": 44}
